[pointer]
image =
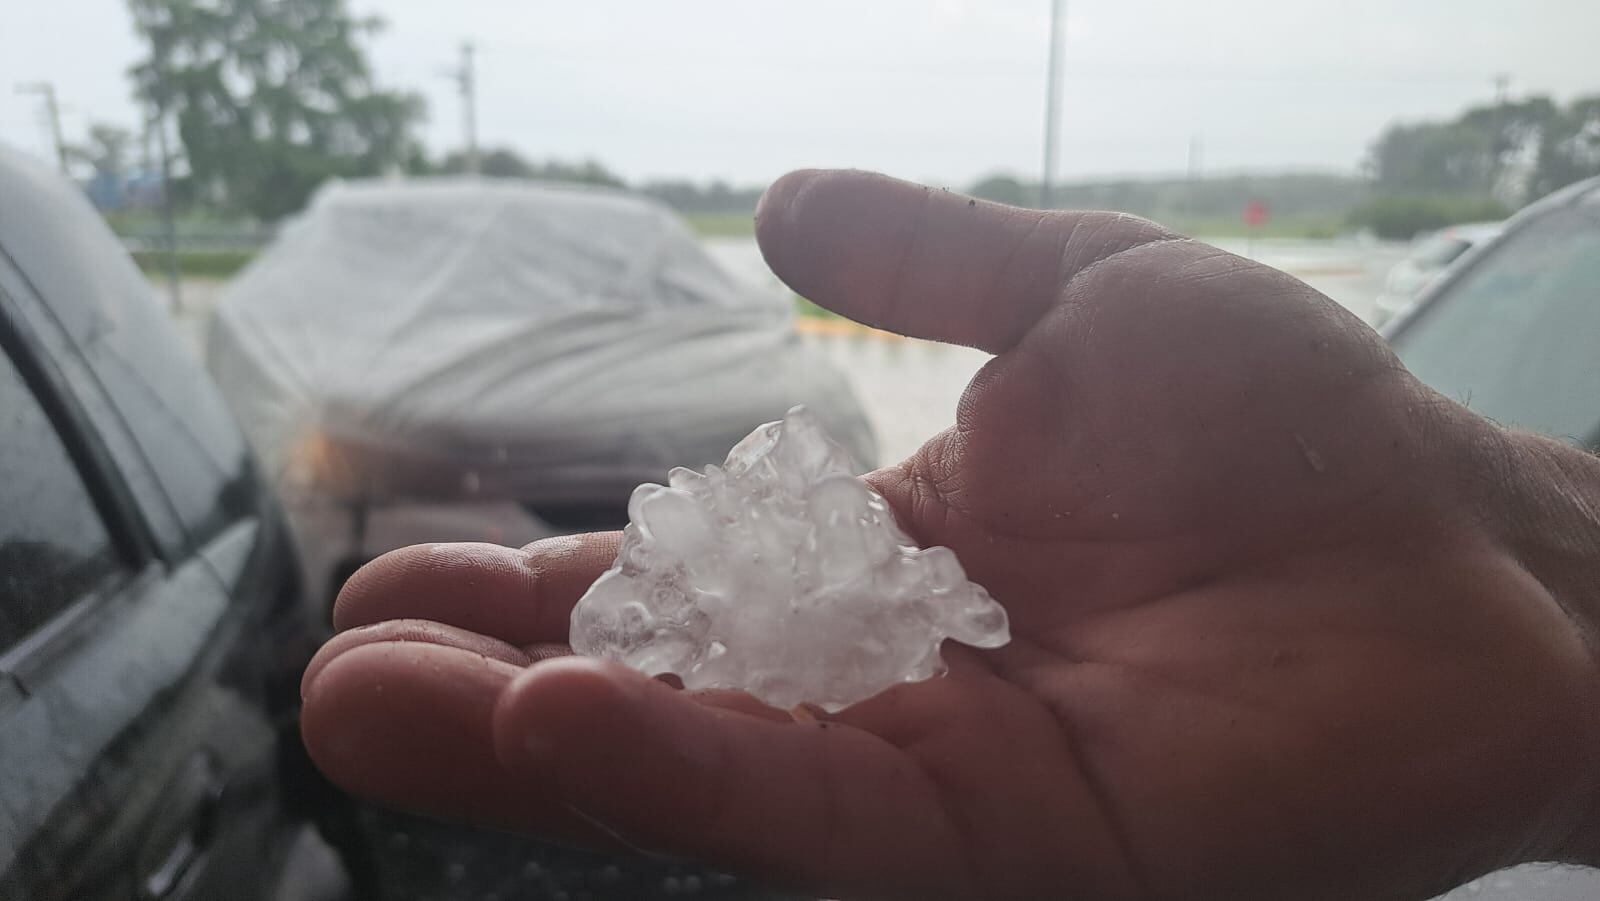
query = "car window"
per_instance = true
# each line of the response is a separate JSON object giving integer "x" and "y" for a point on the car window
{"x": 181, "y": 426}
{"x": 54, "y": 547}
{"x": 1439, "y": 251}
{"x": 1515, "y": 338}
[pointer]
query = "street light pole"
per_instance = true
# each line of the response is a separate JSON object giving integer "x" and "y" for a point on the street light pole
{"x": 169, "y": 221}
{"x": 467, "y": 80}
{"x": 1058, "y": 14}
{"x": 53, "y": 112}
{"x": 1498, "y": 147}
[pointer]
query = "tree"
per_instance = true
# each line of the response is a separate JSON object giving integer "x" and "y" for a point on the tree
{"x": 1003, "y": 189}
{"x": 106, "y": 152}
{"x": 271, "y": 97}
{"x": 715, "y": 197}
{"x": 1570, "y": 150}
{"x": 1512, "y": 152}
{"x": 503, "y": 162}
{"x": 1432, "y": 158}
{"x": 1515, "y": 131}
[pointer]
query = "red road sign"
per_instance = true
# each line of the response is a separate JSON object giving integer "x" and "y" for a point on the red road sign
{"x": 1256, "y": 214}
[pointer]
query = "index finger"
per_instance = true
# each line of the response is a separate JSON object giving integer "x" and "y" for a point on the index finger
{"x": 930, "y": 263}
{"x": 521, "y": 596}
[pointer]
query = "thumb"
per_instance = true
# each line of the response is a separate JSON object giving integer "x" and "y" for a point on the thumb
{"x": 928, "y": 263}
{"x": 819, "y": 804}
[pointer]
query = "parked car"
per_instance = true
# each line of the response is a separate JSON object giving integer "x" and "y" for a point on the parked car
{"x": 1514, "y": 332}
{"x": 1430, "y": 256}
{"x": 498, "y": 360}
{"x": 152, "y": 626}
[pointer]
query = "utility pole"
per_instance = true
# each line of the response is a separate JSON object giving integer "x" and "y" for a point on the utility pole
{"x": 169, "y": 219}
{"x": 1191, "y": 181}
{"x": 1058, "y": 13}
{"x": 1499, "y": 146}
{"x": 466, "y": 79}
{"x": 53, "y": 112}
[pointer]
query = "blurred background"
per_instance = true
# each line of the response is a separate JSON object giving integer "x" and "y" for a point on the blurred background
{"x": 472, "y": 270}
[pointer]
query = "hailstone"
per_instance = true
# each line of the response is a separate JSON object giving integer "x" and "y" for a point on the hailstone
{"x": 783, "y": 575}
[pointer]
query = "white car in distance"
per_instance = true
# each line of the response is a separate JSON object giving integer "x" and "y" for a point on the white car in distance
{"x": 1430, "y": 256}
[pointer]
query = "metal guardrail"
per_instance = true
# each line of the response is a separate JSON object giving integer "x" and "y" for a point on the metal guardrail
{"x": 191, "y": 241}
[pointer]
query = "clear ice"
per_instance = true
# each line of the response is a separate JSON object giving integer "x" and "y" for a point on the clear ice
{"x": 780, "y": 574}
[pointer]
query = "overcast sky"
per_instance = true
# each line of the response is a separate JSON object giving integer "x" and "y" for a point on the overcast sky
{"x": 941, "y": 90}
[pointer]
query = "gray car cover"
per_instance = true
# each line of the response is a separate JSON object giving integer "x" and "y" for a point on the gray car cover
{"x": 465, "y": 337}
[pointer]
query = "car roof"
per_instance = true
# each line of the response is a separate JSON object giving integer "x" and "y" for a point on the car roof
{"x": 87, "y": 284}
{"x": 466, "y": 192}
{"x": 55, "y": 238}
{"x": 1586, "y": 191}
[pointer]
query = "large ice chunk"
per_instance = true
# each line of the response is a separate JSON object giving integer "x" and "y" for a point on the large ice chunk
{"x": 780, "y": 574}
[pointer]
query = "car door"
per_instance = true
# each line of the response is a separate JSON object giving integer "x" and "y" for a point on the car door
{"x": 141, "y": 701}
{"x": 102, "y": 795}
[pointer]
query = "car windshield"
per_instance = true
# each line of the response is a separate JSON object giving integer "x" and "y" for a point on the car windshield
{"x": 1440, "y": 250}
{"x": 1514, "y": 337}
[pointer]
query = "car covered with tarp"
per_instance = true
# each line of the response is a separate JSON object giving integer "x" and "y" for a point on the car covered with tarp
{"x": 457, "y": 359}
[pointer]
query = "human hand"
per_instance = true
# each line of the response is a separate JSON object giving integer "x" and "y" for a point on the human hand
{"x": 1286, "y": 623}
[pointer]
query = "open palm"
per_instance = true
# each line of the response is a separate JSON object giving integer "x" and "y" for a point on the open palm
{"x": 1272, "y": 638}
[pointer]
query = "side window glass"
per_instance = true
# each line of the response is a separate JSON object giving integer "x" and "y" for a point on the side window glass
{"x": 1514, "y": 337}
{"x": 181, "y": 429}
{"x": 54, "y": 547}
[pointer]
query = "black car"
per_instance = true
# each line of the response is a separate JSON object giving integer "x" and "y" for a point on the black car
{"x": 1513, "y": 330}
{"x": 152, "y": 630}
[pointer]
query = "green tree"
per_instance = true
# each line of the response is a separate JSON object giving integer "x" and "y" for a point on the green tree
{"x": 1514, "y": 152}
{"x": 1403, "y": 216}
{"x": 715, "y": 198}
{"x": 106, "y": 151}
{"x": 271, "y": 97}
{"x": 503, "y": 162}
{"x": 1570, "y": 150}
{"x": 1004, "y": 189}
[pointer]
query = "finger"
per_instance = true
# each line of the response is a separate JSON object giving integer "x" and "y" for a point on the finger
{"x": 417, "y": 630}
{"x": 520, "y": 596}
{"x": 928, "y": 263}
{"x": 410, "y": 725}
{"x": 820, "y": 804}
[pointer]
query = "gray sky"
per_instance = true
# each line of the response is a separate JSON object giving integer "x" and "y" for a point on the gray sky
{"x": 941, "y": 90}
